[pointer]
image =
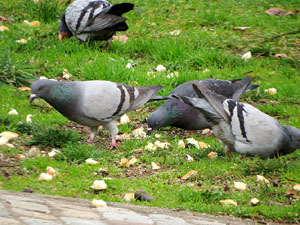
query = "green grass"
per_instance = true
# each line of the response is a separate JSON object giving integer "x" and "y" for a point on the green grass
{"x": 206, "y": 47}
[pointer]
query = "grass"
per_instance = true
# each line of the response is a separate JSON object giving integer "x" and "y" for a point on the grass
{"x": 208, "y": 46}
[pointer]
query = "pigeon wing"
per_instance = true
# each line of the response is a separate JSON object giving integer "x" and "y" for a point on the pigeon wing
{"x": 214, "y": 99}
{"x": 103, "y": 21}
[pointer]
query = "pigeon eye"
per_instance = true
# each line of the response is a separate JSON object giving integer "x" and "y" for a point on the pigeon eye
{"x": 41, "y": 88}
{"x": 298, "y": 139}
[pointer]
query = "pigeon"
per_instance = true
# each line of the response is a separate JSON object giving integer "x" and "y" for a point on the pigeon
{"x": 93, "y": 20}
{"x": 243, "y": 128}
{"x": 178, "y": 114}
{"x": 93, "y": 103}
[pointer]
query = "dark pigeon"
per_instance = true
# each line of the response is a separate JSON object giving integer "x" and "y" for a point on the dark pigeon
{"x": 93, "y": 103}
{"x": 178, "y": 114}
{"x": 243, "y": 128}
{"x": 93, "y": 20}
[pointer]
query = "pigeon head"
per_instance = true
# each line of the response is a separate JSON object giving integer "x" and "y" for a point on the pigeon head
{"x": 40, "y": 89}
{"x": 63, "y": 30}
{"x": 294, "y": 138}
{"x": 173, "y": 113}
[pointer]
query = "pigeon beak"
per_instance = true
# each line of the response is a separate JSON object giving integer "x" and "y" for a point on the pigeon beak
{"x": 62, "y": 35}
{"x": 32, "y": 97}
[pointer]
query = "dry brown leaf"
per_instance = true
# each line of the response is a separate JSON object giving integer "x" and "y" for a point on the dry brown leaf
{"x": 293, "y": 194}
{"x": 189, "y": 174}
{"x": 121, "y": 38}
{"x": 279, "y": 11}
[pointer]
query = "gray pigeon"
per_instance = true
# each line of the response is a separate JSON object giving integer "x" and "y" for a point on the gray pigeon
{"x": 93, "y": 103}
{"x": 93, "y": 20}
{"x": 178, "y": 114}
{"x": 243, "y": 128}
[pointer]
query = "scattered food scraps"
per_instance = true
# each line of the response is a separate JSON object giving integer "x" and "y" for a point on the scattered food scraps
{"x": 155, "y": 166}
{"x": 181, "y": 144}
{"x": 22, "y": 41}
{"x": 128, "y": 197}
{"x": 91, "y": 161}
{"x": 260, "y": 178}
{"x": 98, "y": 203}
{"x": 254, "y": 201}
{"x": 28, "y": 118}
{"x": 124, "y": 119}
{"x": 189, "y": 174}
{"x": 228, "y": 202}
{"x": 160, "y": 68}
{"x": 45, "y": 176}
{"x": 240, "y": 186}
{"x": 3, "y": 28}
{"x": 99, "y": 185}
{"x": 247, "y": 56}
{"x": 13, "y": 112}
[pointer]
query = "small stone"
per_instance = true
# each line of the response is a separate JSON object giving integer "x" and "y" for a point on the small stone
{"x": 155, "y": 166}
{"x": 98, "y": 203}
{"x": 45, "y": 176}
{"x": 254, "y": 201}
{"x": 99, "y": 185}
{"x": 33, "y": 151}
{"x": 228, "y": 202}
{"x": 13, "y": 112}
{"x": 240, "y": 186}
{"x": 212, "y": 155}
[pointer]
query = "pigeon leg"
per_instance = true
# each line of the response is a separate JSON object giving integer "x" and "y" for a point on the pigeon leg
{"x": 93, "y": 131}
{"x": 228, "y": 152}
{"x": 109, "y": 41}
{"x": 114, "y": 143}
{"x": 112, "y": 127}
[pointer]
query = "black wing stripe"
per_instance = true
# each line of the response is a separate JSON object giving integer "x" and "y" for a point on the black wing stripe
{"x": 240, "y": 110}
{"x": 122, "y": 99}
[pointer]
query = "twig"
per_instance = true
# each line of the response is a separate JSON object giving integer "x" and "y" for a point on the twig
{"x": 283, "y": 34}
{"x": 8, "y": 165}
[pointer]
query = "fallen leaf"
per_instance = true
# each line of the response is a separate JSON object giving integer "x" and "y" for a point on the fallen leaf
{"x": 246, "y": 56}
{"x": 121, "y": 38}
{"x": 189, "y": 175}
{"x": 155, "y": 166}
{"x": 240, "y": 186}
{"x": 279, "y": 11}
{"x": 3, "y": 28}
{"x": 228, "y": 202}
{"x": 293, "y": 194}
{"x": 13, "y": 112}
{"x": 212, "y": 155}
{"x": 98, "y": 203}
{"x": 128, "y": 197}
{"x": 91, "y": 161}
{"x": 254, "y": 201}
{"x": 241, "y": 28}
{"x": 99, "y": 185}
{"x": 124, "y": 119}
{"x": 45, "y": 176}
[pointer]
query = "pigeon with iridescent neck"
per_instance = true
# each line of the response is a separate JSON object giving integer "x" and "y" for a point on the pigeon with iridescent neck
{"x": 93, "y": 103}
